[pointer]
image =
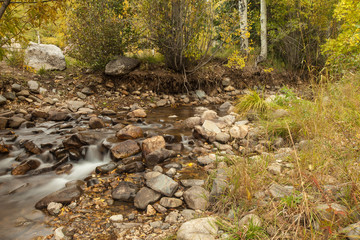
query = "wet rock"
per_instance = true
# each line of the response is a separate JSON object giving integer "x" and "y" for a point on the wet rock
{"x": 161, "y": 103}
{"x": 170, "y": 202}
{"x": 196, "y": 198}
{"x": 152, "y": 144}
{"x": 75, "y": 141}
{"x": 16, "y": 87}
{"x": 144, "y": 197}
{"x": 33, "y": 86}
{"x": 279, "y": 191}
{"x": 96, "y": 122}
{"x": 192, "y": 182}
{"x": 65, "y": 196}
{"x": 125, "y": 191}
{"x": 121, "y": 65}
{"x": 106, "y": 168}
{"x": 191, "y": 122}
{"x": 125, "y": 149}
{"x": 66, "y": 168}
{"x": 15, "y": 122}
{"x": 46, "y": 56}
{"x": 200, "y": 228}
{"x": 200, "y": 133}
{"x": 163, "y": 184}
{"x": 252, "y": 219}
{"x": 131, "y": 159}
{"x": 130, "y": 132}
{"x": 3, "y": 123}
{"x": 130, "y": 168}
{"x": 210, "y": 126}
{"x": 58, "y": 116}
{"x": 39, "y": 114}
{"x": 32, "y": 147}
{"x": 158, "y": 156}
{"x": 138, "y": 113}
{"x": 25, "y": 166}
{"x": 54, "y": 208}
{"x": 239, "y": 132}
{"x": 177, "y": 147}
{"x": 222, "y": 137}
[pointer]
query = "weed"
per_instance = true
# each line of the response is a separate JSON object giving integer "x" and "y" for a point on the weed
{"x": 252, "y": 102}
{"x": 15, "y": 58}
{"x": 42, "y": 71}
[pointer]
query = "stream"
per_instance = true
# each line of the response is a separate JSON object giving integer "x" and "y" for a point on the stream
{"x": 18, "y": 194}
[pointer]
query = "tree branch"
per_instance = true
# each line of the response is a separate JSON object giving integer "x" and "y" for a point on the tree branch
{"x": 3, "y": 7}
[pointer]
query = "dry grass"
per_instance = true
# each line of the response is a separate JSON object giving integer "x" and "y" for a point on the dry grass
{"x": 330, "y": 159}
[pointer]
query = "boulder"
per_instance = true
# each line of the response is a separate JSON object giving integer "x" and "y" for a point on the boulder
{"x": 54, "y": 208}
{"x": 58, "y": 116}
{"x": 152, "y": 144}
{"x": 222, "y": 137}
{"x": 208, "y": 115}
{"x": 121, "y": 66}
{"x": 278, "y": 191}
{"x": 32, "y": 147}
{"x": 192, "y": 182}
{"x": 65, "y": 196}
{"x": 138, "y": 113}
{"x": 200, "y": 133}
{"x": 250, "y": 219}
{"x": 39, "y": 114}
{"x": 130, "y": 132}
{"x": 196, "y": 198}
{"x": 75, "y": 105}
{"x": 144, "y": 197}
{"x": 198, "y": 229}
{"x": 130, "y": 167}
{"x": 9, "y": 96}
{"x": 96, "y": 122}
{"x": 106, "y": 168}
{"x": 158, "y": 156}
{"x": 25, "y": 166}
{"x": 125, "y": 149}
{"x": 352, "y": 231}
{"x": 239, "y": 131}
{"x": 46, "y": 56}
{"x": 125, "y": 191}
{"x": 33, "y": 86}
{"x": 161, "y": 103}
{"x": 163, "y": 184}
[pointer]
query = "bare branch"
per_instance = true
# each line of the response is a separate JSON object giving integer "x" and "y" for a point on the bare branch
{"x": 3, "y": 7}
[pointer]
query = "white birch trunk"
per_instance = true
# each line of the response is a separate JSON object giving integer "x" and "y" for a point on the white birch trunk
{"x": 263, "y": 33}
{"x": 244, "y": 25}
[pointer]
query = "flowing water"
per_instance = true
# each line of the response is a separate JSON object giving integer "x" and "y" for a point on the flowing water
{"x": 18, "y": 194}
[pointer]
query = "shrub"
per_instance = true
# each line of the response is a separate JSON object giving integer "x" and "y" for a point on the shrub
{"x": 100, "y": 30}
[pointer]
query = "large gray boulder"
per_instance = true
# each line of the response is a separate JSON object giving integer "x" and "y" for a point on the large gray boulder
{"x": 121, "y": 66}
{"x": 46, "y": 56}
{"x": 196, "y": 198}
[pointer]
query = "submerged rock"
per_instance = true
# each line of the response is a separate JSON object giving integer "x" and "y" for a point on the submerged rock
{"x": 65, "y": 196}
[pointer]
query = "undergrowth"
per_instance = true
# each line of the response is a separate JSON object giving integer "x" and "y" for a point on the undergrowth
{"x": 323, "y": 135}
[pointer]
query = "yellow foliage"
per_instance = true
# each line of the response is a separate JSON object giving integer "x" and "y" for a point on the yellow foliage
{"x": 236, "y": 61}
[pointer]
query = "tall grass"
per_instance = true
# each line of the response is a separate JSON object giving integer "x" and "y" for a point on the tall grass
{"x": 324, "y": 134}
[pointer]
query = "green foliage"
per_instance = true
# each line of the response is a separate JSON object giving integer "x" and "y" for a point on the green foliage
{"x": 22, "y": 15}
{"x": 343, "y": 51}
{"x": 291, "y": 201}
{"x": 100, "y": 30}
{"x": 15, "y": 58}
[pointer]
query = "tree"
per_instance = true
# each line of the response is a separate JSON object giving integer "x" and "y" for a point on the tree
{"x": 243, "y": 8}
{"x": 17, "y": 17}
{"x": 100, "y": 29}
{"x": 263, "y": 32}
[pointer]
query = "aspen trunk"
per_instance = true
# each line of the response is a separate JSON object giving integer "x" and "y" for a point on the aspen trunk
{"x": 244, "y": 26}
{"x": 263, "y": 25}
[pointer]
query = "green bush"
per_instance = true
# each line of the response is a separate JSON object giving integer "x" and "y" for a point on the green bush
{"x": 100, "y": 30}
